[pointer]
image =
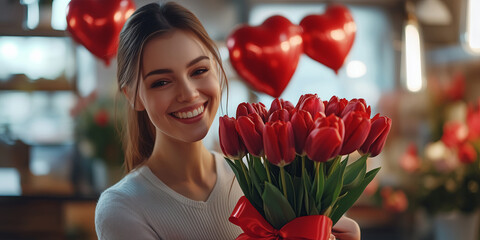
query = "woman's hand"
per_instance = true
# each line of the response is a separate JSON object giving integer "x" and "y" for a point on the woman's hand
{"x": 345, "y": 229}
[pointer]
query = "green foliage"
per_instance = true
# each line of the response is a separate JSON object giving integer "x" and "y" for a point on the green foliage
{"x": 96, "y": 128}
{"x": 306, "y": 188}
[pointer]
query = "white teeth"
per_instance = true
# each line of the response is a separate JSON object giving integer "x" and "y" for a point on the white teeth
{"x": 190, "y": 114}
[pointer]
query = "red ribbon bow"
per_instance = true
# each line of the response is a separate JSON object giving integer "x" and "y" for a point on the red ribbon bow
{"x": 256, "y": 227}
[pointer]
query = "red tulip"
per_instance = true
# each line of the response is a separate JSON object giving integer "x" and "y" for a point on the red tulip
{"x": 330, "y": 121}
{"x": 278, "y": 104}
{"x": 279, "y": 143}
{"x": 250, "y": 129}
{"x": 377, "y": 135}
{"x": 230, "y": 142}
{"x": 302, "y": 124}
{"x": 335, "y": 106}
{"x": 356, "y": 105}
{"x": 357, "y": 127}
{"x": 261, "y": 110}
{"x": 310, "y": 103}
{"x": 454, "y": 134}
{"x": 467, "y": 153}
{"x": 318, "y": 115}
{"x": 244, "y": 109}
{"x": 279, "y": 115}
{"x": 325, "y": 140}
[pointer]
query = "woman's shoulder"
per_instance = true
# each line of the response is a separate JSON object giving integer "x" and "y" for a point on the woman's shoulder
{"x": 222, "y": 165}
{"x": 124, "y": 190}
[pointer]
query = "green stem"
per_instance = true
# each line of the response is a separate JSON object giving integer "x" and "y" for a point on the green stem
{"x": 265, "y": 162}
{"x": 245, "y": 173}
{"x": 284, "y": 185}
{"x": 317, "y": 171}
{"x": 306, "y": 195}
{"x": 335, "y": 163}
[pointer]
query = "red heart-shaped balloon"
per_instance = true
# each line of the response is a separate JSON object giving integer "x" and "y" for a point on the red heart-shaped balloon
{"x": 266, "y": 56}
{"x": 96, "y": 24}
{"x": 327, "y": 38}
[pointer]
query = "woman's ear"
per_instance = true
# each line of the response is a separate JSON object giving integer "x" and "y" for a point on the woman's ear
{"x": 135, "y": 102}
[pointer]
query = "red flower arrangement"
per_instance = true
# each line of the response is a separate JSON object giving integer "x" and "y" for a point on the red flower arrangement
{"x": 290, "y": 163}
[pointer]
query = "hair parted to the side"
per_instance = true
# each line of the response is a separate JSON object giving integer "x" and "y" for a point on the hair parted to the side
{"x": 147, "y": 21}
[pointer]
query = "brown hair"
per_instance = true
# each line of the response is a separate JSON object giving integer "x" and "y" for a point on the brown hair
{"x": 147, "y": 21}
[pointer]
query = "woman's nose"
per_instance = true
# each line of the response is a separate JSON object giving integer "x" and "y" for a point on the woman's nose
{"x": 187, "y": 90}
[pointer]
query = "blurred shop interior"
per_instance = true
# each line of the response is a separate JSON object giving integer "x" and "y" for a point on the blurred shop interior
{"x": 59, "y": 104}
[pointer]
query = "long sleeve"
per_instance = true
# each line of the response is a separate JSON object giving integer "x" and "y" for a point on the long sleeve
{"x": 116, "y": 220}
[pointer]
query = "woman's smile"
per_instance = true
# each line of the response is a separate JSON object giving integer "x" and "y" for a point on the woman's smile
{"x": 188, "y": 114}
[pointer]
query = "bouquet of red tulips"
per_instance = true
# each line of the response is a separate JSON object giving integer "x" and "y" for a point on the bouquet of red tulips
{"x": 292, "y": 163}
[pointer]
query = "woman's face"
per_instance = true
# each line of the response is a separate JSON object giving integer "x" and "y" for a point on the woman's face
{"x": 179, "y": 86}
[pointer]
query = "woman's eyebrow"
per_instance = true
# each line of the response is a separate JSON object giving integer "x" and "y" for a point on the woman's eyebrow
{"x": 198, "y": 59}
{"x": 166, "y": 70}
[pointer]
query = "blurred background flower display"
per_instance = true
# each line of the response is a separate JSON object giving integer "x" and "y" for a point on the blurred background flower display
{"x": 415, "y": 61}
{"x": 98, "y": 130}
{"x": 446, "y": 169}
{"x": 441, "y": 175}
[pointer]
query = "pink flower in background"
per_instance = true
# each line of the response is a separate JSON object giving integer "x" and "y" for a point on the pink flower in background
{"x": 101, "y": 118}
{"x": 473, "y": 121}
{"x": 394, "y": 200}
{"x": 442, "y": 158}
{"x": 372, "y": 187}
{"x": 467, "y": 153}
{"x": 454, "y": 134}
{"x": 456, "y": 89}
{"x": 410, "y": 161}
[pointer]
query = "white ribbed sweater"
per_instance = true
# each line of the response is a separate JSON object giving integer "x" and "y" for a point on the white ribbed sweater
{"x": 141, "y": 206}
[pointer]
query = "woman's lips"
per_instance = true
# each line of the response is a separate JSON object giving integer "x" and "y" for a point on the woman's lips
{"x": 190, "y": 114}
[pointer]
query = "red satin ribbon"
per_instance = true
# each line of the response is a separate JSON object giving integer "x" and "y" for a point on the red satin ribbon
{"x": 255, "y": 226}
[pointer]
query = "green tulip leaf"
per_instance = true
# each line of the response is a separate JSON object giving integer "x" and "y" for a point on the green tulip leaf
{"x": 333, "y": 186}
{"x": 256, "y": 182}
{"x": 351, "y": 197}
{"x": 260, "y": 170}
{"x": 312, "y": 207}
{"x": 277, "y": 209}
{"x": 240, "y": 177}
{"x": 291, "y": 194}
{"x": 298, "y": 185}
{"x": 307, "y": 185}
{"x": 355, "y": 173}
{"x": 320, "y": 185}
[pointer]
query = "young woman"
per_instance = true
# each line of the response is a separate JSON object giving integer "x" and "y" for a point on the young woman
{"x": 171, "y": 74}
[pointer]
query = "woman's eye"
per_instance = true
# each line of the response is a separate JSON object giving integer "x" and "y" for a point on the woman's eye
{"x": 158, "y": 84}
{"x": 200, "y": 71}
